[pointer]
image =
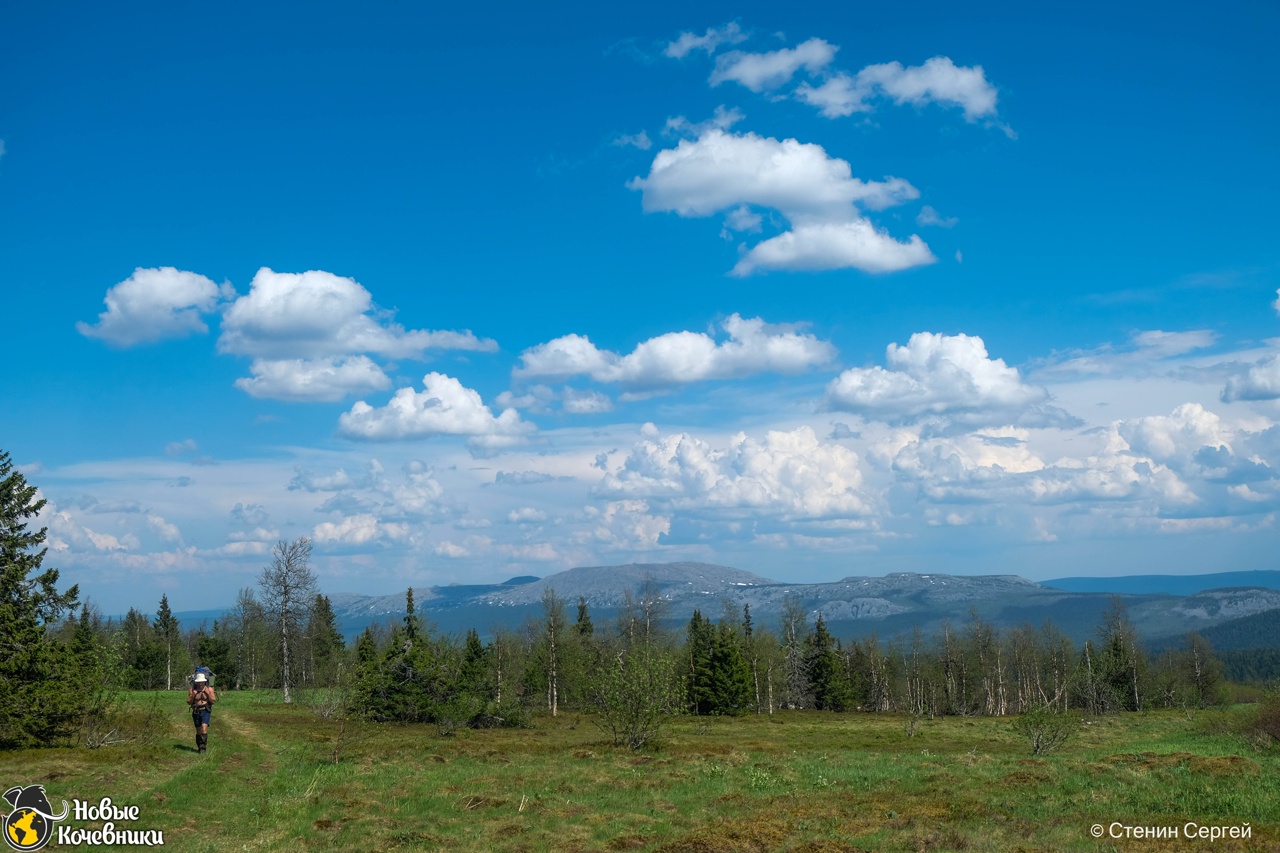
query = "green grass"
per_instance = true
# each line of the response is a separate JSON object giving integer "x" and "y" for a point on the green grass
{"x": 791, "y": 782}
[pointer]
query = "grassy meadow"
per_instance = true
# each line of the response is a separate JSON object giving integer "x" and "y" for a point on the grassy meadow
{"x": 796, "y": 781}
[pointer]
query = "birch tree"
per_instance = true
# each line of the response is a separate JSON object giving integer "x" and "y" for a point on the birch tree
{"x": 288, "y": 589}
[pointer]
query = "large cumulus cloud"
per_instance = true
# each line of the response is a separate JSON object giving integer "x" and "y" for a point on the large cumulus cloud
{"x": 816, "y": 193}
{"x": 943, "y": 375}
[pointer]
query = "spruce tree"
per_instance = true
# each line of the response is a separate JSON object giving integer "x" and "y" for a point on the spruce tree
{"x": 584, "y": 626}
{"x": 168, "y": 635}
{"x": 730, "y": 677}
{"x": 141, "y": 653}
{"x": 473, "y": 674}
{"x": 37, "y": 697}
{"x": 324, "y": 641}
{"x": 412, "y": 625}
{"x": 214, "y": 651}
{"x": 697, "y": 661}
{"x": 828, "y": 678}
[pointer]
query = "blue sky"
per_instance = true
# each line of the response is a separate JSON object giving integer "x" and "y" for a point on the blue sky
{"x": 812, "y": 292}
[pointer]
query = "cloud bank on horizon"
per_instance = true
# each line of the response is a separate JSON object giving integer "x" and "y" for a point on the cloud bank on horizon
{"x": 792, "y": 379}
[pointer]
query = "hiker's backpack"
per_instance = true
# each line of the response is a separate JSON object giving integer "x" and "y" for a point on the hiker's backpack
{"x": 208, "y": 673}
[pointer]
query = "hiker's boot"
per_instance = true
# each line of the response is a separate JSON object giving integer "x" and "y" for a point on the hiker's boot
{"x": 202, "y": 742}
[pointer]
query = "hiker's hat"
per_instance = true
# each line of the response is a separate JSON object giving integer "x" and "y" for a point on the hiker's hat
{"x": 200, "y": 679}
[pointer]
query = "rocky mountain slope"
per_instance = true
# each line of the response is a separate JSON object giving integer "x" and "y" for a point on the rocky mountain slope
{"x": 853, "y": 607}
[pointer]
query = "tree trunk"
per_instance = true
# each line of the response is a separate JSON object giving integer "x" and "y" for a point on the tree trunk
{"x": 284, "y": 655}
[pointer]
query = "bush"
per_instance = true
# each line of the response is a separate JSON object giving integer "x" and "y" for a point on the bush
{"x": 1045, "y": 728}
{"x": 1264, "y": 727}
{"x": 635, "y": 692}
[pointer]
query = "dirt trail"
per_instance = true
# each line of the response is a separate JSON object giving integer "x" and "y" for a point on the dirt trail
{"x": 242, "y": 728}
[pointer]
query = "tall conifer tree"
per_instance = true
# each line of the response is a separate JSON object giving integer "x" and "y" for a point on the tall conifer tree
{"x": 37, "y": 699}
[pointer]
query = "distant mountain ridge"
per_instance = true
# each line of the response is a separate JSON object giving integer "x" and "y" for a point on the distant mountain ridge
{"x": 853, "y": 607}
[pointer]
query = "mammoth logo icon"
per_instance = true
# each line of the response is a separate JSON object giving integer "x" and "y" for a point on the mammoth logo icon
{"x": 30, "y": 825}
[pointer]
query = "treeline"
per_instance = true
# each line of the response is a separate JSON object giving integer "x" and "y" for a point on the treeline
{"x": 61, "y": 669}
{"x": 563, "y": 661}
{"x": 152, "y": 652}
{"x": 734, "y": 666}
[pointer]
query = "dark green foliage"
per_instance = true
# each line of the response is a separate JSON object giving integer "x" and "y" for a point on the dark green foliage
{"x": 214, "y": 652}
{"x": 401, "y": 682}
{"x": 412, "y": 624}
{"x": 38, "y": 702}
{"x": 87, "y": 646}
{"x": 99, "y": 681}
{"x": 404, "y": 683}
{"x": 1251, "y": 666}
{"x": 697, "y": 663}
{"x": 1246, "y": 632}
{"x": 474, "y": 672}
{"x": 141, "y": 654}
{"x": 730, "y": 682}
{"x": 323, "y": 642}
{"x": 718, "y": 678}
{"x": 828, "y": 678}
{"x": 429, "y": 679}
{"x": 366, "y": 648}
{"x": 1117, "y": 666}
{"x": 584, "y": 626}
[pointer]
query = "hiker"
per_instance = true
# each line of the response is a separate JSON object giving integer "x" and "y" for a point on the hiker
{"x": 201, "y": 698}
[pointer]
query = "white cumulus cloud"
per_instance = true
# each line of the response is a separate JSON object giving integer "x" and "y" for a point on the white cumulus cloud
{"x": 155, "y": 304}
{"x": 357, "y": 530}
{"x": 763, "y": 71}
{"x": 788, "y": 475}
{"x": 1176, "y": 439}
{"x": 625, "y": 525}
{"x": 938, "y": 375}
{"x": 816, "y": 193}
{"x": 835, "y": 245}
{"x": 720, "y": 171}
{"x": 578, "y": 402}
{"x": 317, "y": 314}
{"x": 321, "y": 379}
{"x": 526, "y": 515}
{"x": 444, "y": 407}
{"x": 938, "y": 81}
{"x": 678, "y": 358}
{"x": 1260, "y": 382}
